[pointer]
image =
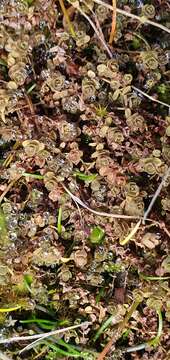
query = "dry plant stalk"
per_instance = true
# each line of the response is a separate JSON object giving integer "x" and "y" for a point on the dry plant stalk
{"x": 99, "y": 213}
{"x": 43, "y": 335}
{"x": 113, "y": 22}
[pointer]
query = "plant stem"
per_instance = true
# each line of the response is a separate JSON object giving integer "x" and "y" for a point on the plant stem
{"x": 113, "y": 22}
{"x": 65, "y": 13}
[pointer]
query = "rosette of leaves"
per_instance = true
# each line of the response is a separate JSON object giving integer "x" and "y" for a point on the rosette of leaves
{"x": 115, "y": 84}
{"x": 134, "y": 101}
{"x": 56, "y": 82}
{"x": 148, "y": 10}
{"x": 104, "y": 71}
{"x": 114, "y": 135}
{"x": 71, "y": 104}
{"x": 150, "y": 240}
{"x": 132, "y": 189}
{"x": 127, "y": 79}
{"x": 82, "y": 39}
{"x": 32, "y": 147}
{"x": 37, "y": 38}
{"x": 151, "y": 165}
{"x": 50, "y": 181}
{"x": 23, "y": 44}
{"x": 102, "y": 13}
{"x": 149, "y": 59}
{"x": 18, "y": 73}
{"x": 10, "y": 45}
{"x": 135, "y": 122}
{"x": 68, "y": 131}
{"x": 17, "y": 49}
{"x": 22, "y": 7}
{"x": 134, "y": 206}
{"x": 65, "y": 273}
{"x": 46, "y": 255}
{"x": 80, "y": 258}
{"x": 113, "y": 65}
{"x": 89, "y": 87}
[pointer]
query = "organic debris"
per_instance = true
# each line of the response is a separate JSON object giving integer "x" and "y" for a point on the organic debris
{"x": 84, "y": 179}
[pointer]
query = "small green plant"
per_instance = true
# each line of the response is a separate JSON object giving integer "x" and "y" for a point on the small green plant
{"x": 42, "y": 323}
{"x": 97, "y": 235}
{"x": 101, "y": 111}
{"x": 104, "y": 326}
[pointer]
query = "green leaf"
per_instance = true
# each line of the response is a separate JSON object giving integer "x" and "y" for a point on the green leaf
{"x": 43, "y": 323}
{"x": 35, "y": 176}
{"x": 31, "y": 88}
{"x": 59, "y": 225}
{"x": 27, "y": 282}
{"x": 103, "y": 327}
{"x": 97, "y": 235}
{"x": 85, "y": 177}
{"x": 153, "y": 278}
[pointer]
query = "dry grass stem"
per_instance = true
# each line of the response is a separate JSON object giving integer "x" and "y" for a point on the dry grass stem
{"x": 150, "y": 97}
{"x": 42, "y": 336}
{"x": 142, "y": 20}
{"x": 99, "y": 213}
{"x": 113, "y": 28}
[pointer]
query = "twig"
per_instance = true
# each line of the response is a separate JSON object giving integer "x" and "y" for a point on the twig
{"x": 150, "y": 97}
{"x": 113, "y": 22}
{"x": 156, "y": 195}
{"x": 41, "y": 336}
{"x": 142, "y": 20}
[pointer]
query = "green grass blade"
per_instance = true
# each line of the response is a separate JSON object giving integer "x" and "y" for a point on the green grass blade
{"x": 59, "y": 225}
